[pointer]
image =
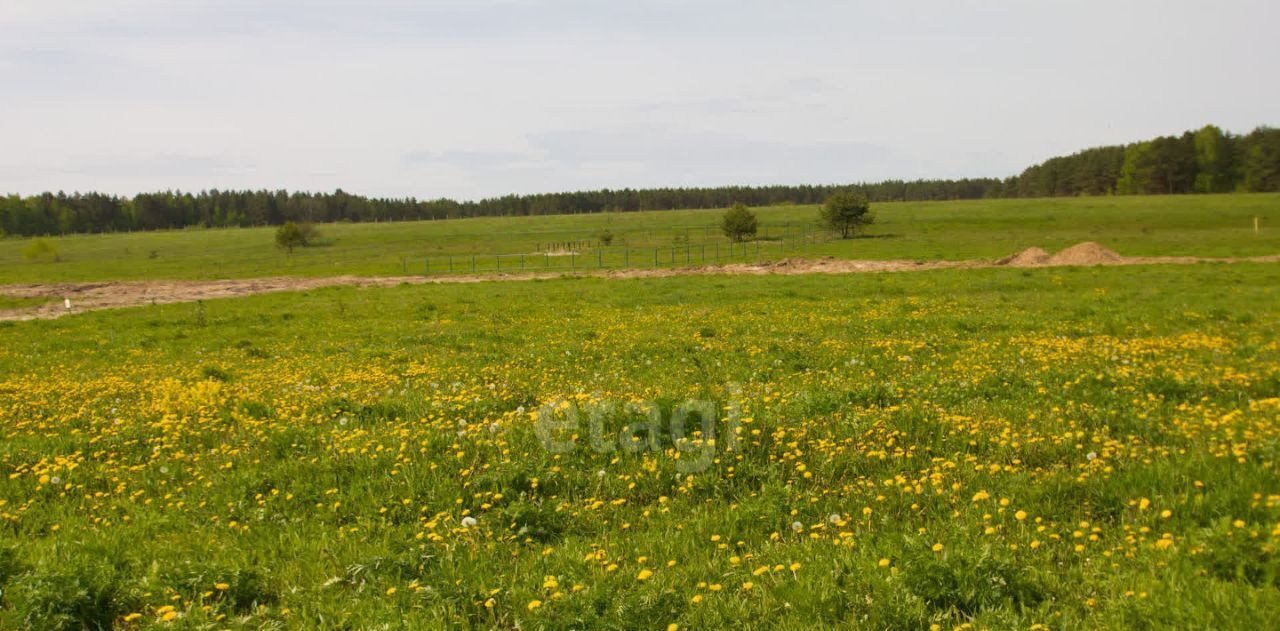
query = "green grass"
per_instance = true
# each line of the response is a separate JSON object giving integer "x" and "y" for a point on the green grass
{"x": 308, "y": 460}
{"x": 1213, "y": 225}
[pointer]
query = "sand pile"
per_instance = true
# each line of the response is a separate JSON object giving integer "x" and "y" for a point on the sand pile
{"x": 1025, "y": 258}
{"x": 1087, "y": 253}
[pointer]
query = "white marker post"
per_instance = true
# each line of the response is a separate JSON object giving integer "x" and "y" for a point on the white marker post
{"x": 66, "y": 302}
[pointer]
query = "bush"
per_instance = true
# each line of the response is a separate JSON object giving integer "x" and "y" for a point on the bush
{"x": 739, "y": 223}
{"x": 606, "y": 237}
{"x": 291, "y": 235}
{"x": 41, "y": 249}
{"x": 847, "y": 213}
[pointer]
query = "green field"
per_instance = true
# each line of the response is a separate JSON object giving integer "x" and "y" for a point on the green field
{"x": 1201, "y": 225}
{"x": 1067, "y": 447}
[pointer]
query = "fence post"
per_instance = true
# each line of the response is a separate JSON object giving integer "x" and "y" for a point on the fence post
{"x": 599, "y": 258}
{"x": 404, "y": 266}
{"x": 655, "y": 258}
{"x": 497, "y": 262}
{"x": 450, "y": 263}
{"x": 626, "y": 257}
{"x": 473, "y": 263}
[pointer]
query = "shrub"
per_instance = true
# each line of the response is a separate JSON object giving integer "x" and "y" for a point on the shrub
{"x": 739, "y": 223}
{"x": 41, "y": 249}
{"x": 847, "y": 213}
{"x": 292, "y": 235}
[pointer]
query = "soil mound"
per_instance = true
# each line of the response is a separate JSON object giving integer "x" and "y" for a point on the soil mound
{"x": 1025, "y": 258}
{"x": 1087, "y": 253}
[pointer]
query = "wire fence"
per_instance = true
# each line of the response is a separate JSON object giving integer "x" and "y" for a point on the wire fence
{"x": 413, "y": 254}
{"x": 617, "y": 257}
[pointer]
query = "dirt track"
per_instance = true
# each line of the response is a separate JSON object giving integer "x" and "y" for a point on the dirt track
{"x": 89, "y": 296}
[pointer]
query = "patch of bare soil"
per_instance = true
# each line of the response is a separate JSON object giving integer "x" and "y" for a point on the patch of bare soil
{"x": 90, "y": 296}
{"x": 1087, "y": 253}
{"x": 1029, "y": 257}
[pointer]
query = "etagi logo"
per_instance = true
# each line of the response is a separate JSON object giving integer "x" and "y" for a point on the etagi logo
{"x": 692, "y": 430}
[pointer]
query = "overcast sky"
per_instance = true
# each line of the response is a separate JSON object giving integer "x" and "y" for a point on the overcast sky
{"x": 471, "y": 98}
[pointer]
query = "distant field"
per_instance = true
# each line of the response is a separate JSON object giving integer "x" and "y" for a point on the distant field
{"x": 1214, "y": 225}
{"x": 1007, "y": 448}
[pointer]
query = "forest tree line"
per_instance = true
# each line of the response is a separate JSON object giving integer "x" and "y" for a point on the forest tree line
{"x": 1203, "y": 161}
{"x": 1208, "y": 160}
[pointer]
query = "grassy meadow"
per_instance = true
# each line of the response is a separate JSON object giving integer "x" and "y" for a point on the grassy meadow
{"x": 1192, "y": 225}
{"x": 997, "y": 448}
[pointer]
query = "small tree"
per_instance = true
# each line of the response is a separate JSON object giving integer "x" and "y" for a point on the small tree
{"x": 41, "y": 249}
{"x": 290, "y": 236}
{"x": 847, "y": 213}
{"x": 606, "y": 237}
{"x": 739, "y": 223}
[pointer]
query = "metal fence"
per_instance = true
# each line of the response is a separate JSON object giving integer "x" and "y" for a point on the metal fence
{"x": 616, "y": 257}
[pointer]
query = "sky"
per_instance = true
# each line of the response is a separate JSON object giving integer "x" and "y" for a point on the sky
{"x": 475, "y": 98}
